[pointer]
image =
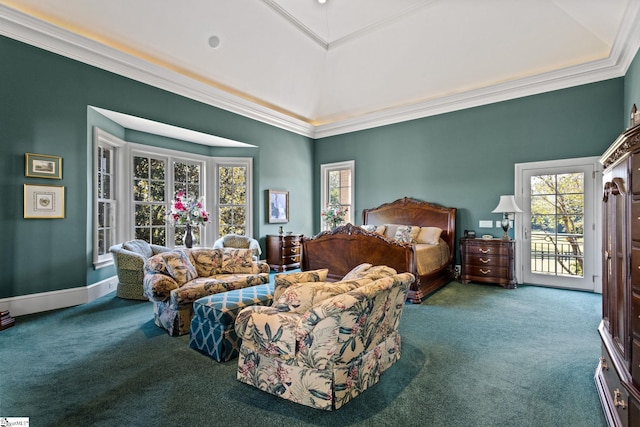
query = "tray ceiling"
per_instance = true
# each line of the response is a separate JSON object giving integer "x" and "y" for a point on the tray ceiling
{"x": 323, "y": 69}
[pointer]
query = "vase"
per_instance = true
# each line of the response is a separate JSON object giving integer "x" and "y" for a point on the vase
{"x": 188, "y": 237}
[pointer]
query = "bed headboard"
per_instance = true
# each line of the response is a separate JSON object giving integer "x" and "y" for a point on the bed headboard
{"x": 408, "y": 211}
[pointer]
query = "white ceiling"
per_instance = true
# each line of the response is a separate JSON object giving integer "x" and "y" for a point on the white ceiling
{"x": 322, "y": 70}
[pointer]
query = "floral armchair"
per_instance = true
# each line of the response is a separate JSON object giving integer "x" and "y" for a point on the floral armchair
{"x": 174, "y": 280}
{"x": 322, "y": 344}
{"x": 129, "y": 258}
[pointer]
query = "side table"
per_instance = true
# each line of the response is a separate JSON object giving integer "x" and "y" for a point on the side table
{"x": 488, "y": 261}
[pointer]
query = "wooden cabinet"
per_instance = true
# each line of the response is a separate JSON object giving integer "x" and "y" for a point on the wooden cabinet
{"x": 488, "y": 261}
{"x": 618, "y": 373}
{"x": 284, "y": 252}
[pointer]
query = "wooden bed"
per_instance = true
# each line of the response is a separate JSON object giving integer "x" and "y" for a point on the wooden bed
{"x": 348, "y": 246}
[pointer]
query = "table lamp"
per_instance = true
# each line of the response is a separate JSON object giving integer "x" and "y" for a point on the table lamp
{"x": 506, "y": 206}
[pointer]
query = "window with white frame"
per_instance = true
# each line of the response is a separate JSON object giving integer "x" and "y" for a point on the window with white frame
{"x": 107, "y": 154}
{"x": 233, "y": 177}
{"x": 337, "y": 188}
{"x": 155, "y": 175}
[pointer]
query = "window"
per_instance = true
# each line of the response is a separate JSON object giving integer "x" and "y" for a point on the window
{"x": 338, "y": 186}
{"x": 233, "y": 177}
{"x": 133, "y": 202}
{"x": 107, "y": 154}
{"x": 149, "y": 201}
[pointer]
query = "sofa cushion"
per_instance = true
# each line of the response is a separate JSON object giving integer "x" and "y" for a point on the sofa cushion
{"x": 237, "y": 261}
{"x": 285, "y": 280}
{"x": 179, "y": 267}
{"x": 138, "y": 246}
{"x": 206, "y": 261}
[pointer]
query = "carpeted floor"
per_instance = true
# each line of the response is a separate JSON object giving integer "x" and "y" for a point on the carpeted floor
{"x": 472, "y": 355}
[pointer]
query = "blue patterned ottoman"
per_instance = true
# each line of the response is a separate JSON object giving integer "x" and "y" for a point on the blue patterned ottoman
{"x": 212, "y": 325}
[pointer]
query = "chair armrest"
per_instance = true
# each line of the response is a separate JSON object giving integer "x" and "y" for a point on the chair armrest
{"x": 284, "y": 280}
{"x": 158, "y": 286}
{"x": 157, "y": 249}
{"x": 255, "y": 245}
{"x": 127, "y": 260}
{"x": 265, "y": 330}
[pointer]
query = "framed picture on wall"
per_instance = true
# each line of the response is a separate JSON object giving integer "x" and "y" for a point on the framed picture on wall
{"x": 278, "y": 206}
{"x": 43, "y": 201}
{"x": 43, "y": 166}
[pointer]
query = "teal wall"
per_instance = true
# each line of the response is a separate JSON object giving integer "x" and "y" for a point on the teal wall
{"x": 44, "y": 110}
{"x": 632, "y": 88}
{"x": 465, "y": 159}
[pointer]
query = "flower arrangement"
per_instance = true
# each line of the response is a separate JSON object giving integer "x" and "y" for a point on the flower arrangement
{"x": 334, "y": 215}
{"x": 187, "y": 210}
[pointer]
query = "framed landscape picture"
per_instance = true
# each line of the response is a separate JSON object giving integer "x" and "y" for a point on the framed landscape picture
{"x": 43, "y": 201}
{"x": 43, "y": 166}
{"x": 278, "y": 206}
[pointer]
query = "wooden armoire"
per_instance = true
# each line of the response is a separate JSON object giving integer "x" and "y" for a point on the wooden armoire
{"x": 618, "y": 373}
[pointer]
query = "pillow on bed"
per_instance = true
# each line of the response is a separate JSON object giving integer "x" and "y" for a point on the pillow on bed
{"x": 390, "y": 230}
{"x": 407, "y": 233}
{"x": 429, "y": 235}
{"x": 379, "y": 229}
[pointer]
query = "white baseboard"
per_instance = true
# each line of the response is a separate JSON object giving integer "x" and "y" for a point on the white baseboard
{"x": 45, "y": 301}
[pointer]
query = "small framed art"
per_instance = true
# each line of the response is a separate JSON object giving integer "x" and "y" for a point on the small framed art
{"x": 43, "y": 201}
{"x": 278, "y": 206}
{"x": 43, "y": 166}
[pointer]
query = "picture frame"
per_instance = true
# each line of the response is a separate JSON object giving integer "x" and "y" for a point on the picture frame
{"x": 278, "y": 203}
{"x": 43, "y": 166}
{"x": 43, "y": 201}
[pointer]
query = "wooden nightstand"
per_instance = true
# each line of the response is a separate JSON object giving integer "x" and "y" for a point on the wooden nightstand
{"x": 488, "y": 261}
{"x": 284, "y": 252}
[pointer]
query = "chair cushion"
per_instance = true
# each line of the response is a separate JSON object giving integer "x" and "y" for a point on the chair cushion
{"x": 236, "y": 241}
{"x": 138, "y": 246}
{"x": 301, "y": 297}
{"x": 179, "y": 267}
{"x": 285, "y": 280}
{"x": 206, "y": 261}
{"x": 369, "y": 271}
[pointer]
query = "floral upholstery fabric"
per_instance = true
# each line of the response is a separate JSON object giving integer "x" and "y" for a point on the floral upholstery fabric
{"x": 369, "y": 271}
{"x": 174, "y": 280}
{"x": 299, "y": 298}
{"x": 285, "y": 280}
{"x": 327, "y": 355}
{"x": 407, "y": 233}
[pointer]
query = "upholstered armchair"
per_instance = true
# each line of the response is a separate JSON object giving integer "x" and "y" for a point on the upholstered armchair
{"x": 129, "y": 258}
{"x": 238, "y": 241}
{"x": 321, "y": 344}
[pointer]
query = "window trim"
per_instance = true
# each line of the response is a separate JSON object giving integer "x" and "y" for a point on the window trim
{"x": 102, "y": 138}
{"x": 324, "y": 186}
{"x": 123, "y": 175}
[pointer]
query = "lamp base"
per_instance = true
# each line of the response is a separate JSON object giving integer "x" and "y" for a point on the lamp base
{"x": 505, "y": 226}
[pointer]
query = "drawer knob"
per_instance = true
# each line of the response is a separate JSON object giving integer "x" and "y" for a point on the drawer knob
{"x": 484, "y": 261}
{"x": 483, "y": 271}
{"x": 484, "y": 251}
{"x": 617, "y": 399}
{"x": 603, "y": 362}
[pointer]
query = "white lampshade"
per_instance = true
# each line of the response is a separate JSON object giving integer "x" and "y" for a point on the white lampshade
{"x": 507, "y": 204}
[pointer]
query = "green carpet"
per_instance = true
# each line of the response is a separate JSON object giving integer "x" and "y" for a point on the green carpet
{"x": 472, "y": 355}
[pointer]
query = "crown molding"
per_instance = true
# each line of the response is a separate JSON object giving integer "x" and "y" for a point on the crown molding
{"x": 27, "y": 29}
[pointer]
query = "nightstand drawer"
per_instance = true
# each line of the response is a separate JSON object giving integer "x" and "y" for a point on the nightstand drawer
{"x": 488, "y": 261}
{"x": 489, "y": 271}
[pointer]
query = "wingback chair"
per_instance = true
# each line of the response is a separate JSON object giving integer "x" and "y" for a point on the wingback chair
{"x": 322, "y": 344}
{"x": 129, "y": 258}
{"x": 238, "y": 241}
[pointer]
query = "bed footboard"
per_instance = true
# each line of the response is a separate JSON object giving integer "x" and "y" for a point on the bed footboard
{"x": 348, "y": 246}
